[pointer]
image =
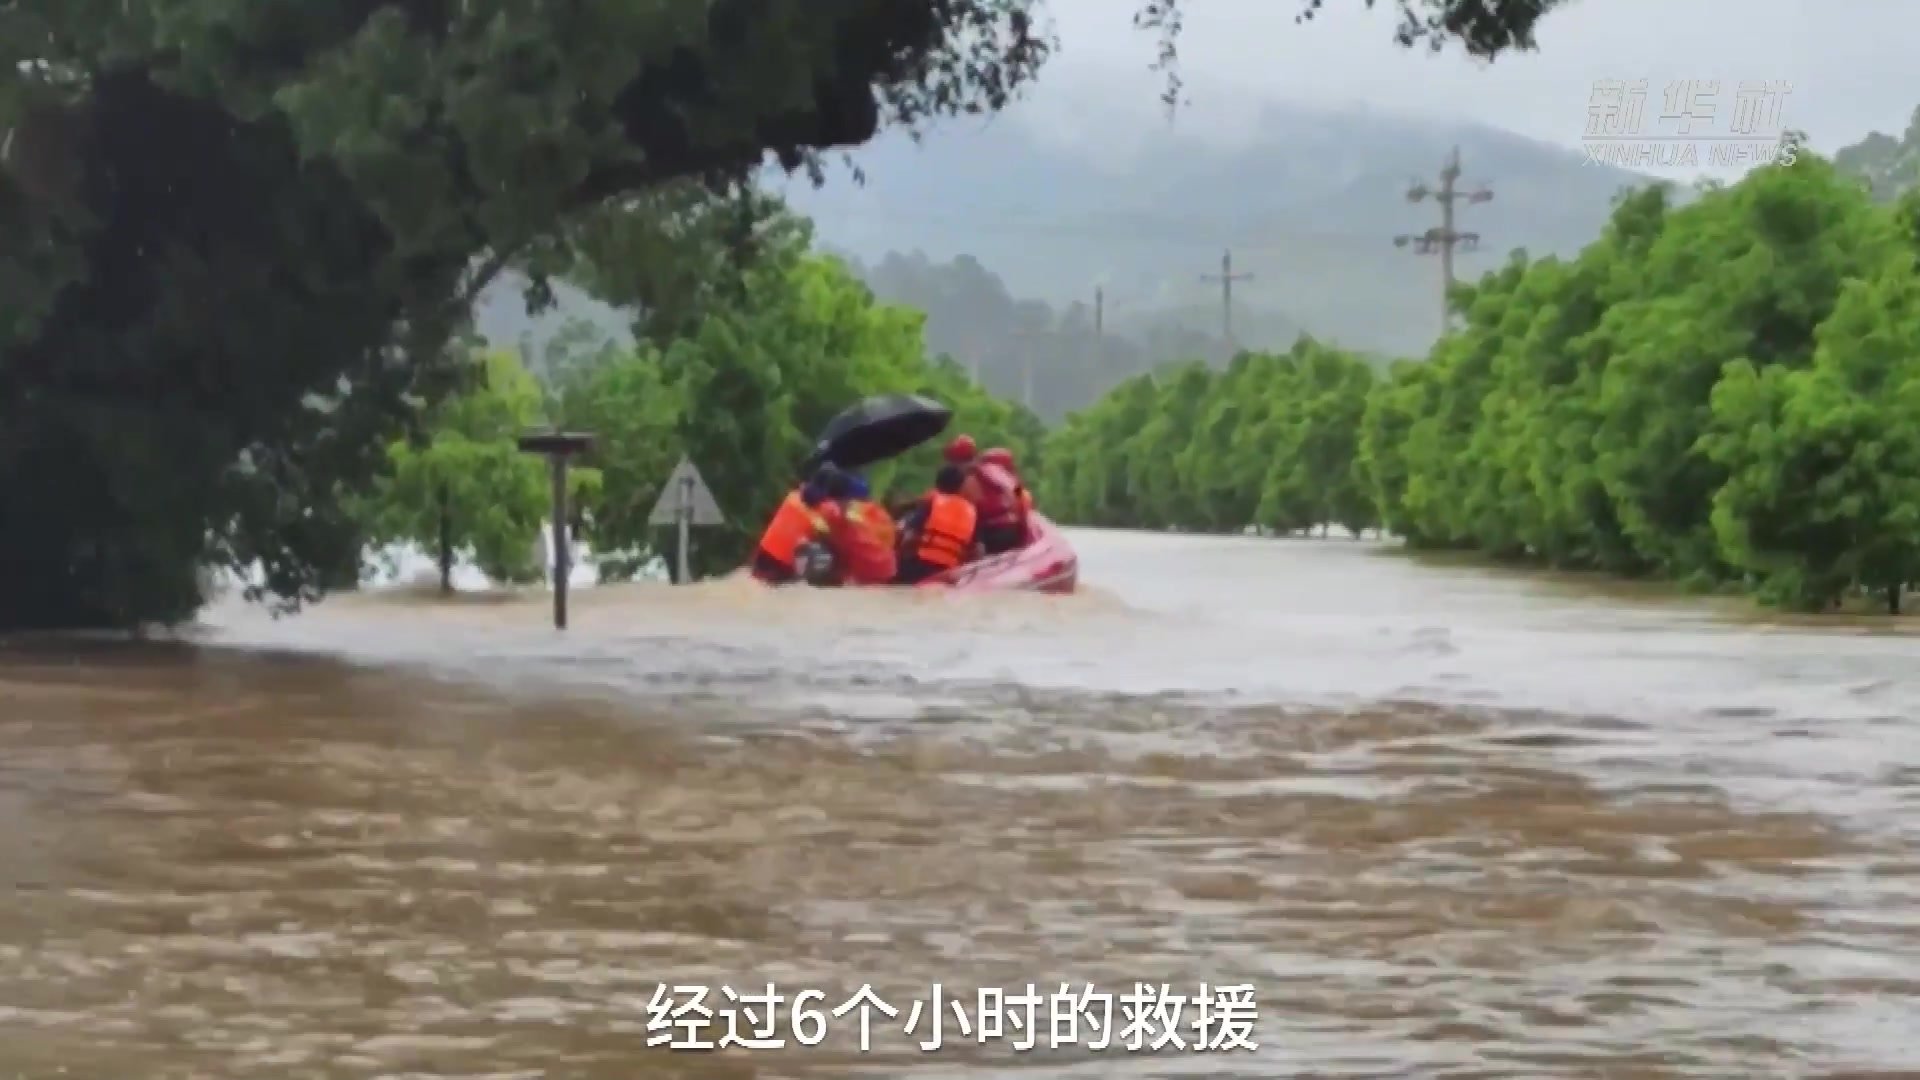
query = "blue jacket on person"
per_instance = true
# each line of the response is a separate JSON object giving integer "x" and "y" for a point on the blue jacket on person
{"x": 833, "y": 482}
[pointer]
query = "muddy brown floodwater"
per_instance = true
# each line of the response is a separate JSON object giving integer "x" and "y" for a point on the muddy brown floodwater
{"x": 1445, "y": 822}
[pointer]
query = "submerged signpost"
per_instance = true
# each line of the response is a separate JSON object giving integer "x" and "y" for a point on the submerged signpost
{"x": 559, "y": 447}
{"x": 685, "y": 501}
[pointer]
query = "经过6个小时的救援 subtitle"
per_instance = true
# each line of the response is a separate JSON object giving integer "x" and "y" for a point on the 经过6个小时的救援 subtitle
{"x": 1145, "y": 1019}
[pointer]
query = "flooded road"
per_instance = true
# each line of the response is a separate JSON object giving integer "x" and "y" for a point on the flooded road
{"x": 1443, "y": 821}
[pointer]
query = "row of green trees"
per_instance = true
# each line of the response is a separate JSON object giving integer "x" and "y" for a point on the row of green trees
{"x": 1270, "y": 440}
{"x": 1725, "y": 393}
{"x": 743, "y": 388}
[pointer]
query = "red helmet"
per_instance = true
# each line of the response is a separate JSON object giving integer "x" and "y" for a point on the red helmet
{"x": 1000, "y": 456}
{"x": 961, "y": 450}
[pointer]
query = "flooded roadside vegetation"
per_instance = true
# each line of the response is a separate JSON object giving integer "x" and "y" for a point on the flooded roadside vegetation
{"x": 309, "y": 770}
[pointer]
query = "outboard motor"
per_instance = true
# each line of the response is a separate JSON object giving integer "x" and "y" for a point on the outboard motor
{"x": 815, "y": 563}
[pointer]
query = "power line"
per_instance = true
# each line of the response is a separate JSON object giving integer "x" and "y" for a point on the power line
{"x": 1444, "y": 238}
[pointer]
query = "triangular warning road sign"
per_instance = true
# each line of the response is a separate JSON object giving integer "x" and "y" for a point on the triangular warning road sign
{"x": 685, "y": 493}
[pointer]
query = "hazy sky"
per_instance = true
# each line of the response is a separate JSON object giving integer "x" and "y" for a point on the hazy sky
{"x": 1849, "y": 62}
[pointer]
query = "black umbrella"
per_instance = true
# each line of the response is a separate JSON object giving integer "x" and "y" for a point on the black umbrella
{"x": 880, "y": 427}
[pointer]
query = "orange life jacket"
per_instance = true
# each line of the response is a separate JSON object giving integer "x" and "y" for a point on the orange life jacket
{"x": 792, "y": 525}
{"x": 862, "y": 535}
{"x": 947, "y": 533}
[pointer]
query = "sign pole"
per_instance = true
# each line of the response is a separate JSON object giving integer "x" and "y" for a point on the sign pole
{"x": 558, "y": 447}
{"x": 561, "y": 554}
{"x": 685, "y": 504}
{"x": 686, "y": 525}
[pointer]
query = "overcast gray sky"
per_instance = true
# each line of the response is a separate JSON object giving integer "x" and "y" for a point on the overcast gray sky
{"x": 1850, "y": 64}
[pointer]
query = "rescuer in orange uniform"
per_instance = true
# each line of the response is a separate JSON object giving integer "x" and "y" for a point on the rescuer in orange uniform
{"x": 943, "y": 531}
{"x": 832, "y": 508}
{"x": 961, "y": 452}
{"x": 794, "y": 523}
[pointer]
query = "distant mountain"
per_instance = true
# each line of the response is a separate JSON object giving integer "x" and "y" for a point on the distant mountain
{"x": 1052, "y": 360}
{"x": 1003, "y": 238}
{"x": 1310, "y": 209}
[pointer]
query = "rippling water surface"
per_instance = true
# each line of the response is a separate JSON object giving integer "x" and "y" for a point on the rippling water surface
{"x": 1446, "y": 822}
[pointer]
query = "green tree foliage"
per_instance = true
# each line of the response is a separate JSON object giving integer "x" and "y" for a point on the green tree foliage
{"x": 245, "y": 230}
{"x": 1823, "y": 462}
{"x": 464, "y": 490}
{"x": 237, "y": 235}
{"x": 1722, "y": 393}
{"x": 1270, "y": 441}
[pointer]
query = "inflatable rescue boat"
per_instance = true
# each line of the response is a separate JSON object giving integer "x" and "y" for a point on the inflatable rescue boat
{"x": 882, "y": 428}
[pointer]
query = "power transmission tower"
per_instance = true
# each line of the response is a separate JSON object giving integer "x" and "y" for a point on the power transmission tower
{"x": 1099, "y": 312}
{"x": 1226, "y": 277}
{"x": 1445, "y": 237}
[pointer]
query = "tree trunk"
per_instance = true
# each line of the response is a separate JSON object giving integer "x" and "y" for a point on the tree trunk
{"x": 446, "y": 541}
{"x": 1893, "y": 597}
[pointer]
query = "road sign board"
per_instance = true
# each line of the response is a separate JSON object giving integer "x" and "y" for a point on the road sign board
{"x": 685, "y": 497}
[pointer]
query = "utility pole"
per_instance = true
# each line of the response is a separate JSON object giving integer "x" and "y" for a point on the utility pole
{"x": 1444, "y": 238}
{"x": 1100, "y": 354}
{"x": 1226, "y": 277}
